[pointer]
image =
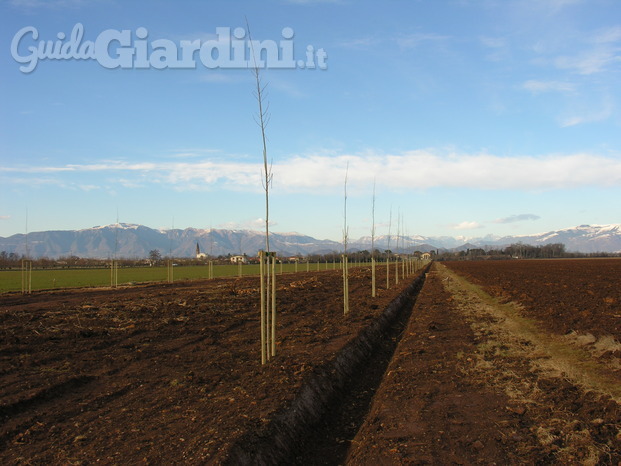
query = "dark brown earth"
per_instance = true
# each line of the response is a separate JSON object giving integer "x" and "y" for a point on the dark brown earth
{"x": 429, "y": 409}
{"x": 581, "y": 295}
{"x": 171, "y": 374}
{"x": 472, "y": 382}
{"x": 162, "y": 374}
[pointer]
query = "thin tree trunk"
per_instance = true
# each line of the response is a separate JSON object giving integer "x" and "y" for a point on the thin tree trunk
{"x": 373, "y": 246}
{"x": 345, "y": 261}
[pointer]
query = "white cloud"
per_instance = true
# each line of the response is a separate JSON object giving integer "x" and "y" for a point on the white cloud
{"x": 5, "y": 217}
{"x": 537, "y": 87}
{"x": 517, "y": 218}
{"x": 590, "y": 62}
{"x": 87, "y": 187}
{"x": 600, "y": 55}
{"x": 608, "y": 35}
{"x": 312, "y": 173}
{"x": 127, "y": 183}
{"x": 497, "y": 48}
{"x": 590, "y": 115}
{"x": 467, "y": 226}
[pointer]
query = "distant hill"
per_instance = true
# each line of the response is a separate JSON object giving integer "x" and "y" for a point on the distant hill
{"x": 135, "y": 241}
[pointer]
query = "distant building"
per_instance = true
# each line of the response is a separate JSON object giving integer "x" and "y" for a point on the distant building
{"x": 425, "y": 256}
{"x": 199, "y": 254}
{"x": 239, "y": 260}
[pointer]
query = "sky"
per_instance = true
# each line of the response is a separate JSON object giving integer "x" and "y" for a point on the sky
{"x": 459, "y": 117}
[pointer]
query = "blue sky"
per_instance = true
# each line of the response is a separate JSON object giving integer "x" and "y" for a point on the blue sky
{"x": 472, "y": 117}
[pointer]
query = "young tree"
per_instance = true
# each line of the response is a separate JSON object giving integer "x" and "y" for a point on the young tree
{"x": 268, "y": 276}
{"x": 388, "y": 252}
{"x": 345, "y": 260}
{"x": 373, "y": 244}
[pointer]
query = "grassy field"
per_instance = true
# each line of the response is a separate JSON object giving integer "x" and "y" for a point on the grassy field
{"x": 11, "y": 280}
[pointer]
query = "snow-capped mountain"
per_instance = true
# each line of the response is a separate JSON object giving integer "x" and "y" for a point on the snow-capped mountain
{"x": 135, "y": 241}
{"x": 583, "y": 238}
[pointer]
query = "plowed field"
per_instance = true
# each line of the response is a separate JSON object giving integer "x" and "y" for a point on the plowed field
{"x": 581, "y": 295}
{"x": 162, "y": 374}
{"x": 479, "y": 380}
{"x": 515, "y": 362}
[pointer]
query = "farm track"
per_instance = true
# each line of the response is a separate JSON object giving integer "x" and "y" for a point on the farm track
{"x": 474, "y": 382}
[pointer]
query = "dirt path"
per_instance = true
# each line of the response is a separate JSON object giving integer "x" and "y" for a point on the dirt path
{"x": 474, "y": 382}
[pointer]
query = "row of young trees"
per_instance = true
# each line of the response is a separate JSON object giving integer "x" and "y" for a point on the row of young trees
{"x": 13, "y": 261}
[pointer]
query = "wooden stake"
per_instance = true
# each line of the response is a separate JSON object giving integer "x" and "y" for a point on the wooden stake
{"x": 263, "y": 307}
{"x": 273, "y": 304}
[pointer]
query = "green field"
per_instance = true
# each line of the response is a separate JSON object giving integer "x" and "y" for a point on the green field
{"x": 47, "y": 279}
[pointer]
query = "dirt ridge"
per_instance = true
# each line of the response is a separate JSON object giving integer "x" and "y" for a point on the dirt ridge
{"x": 466, "y": 386}
{"x": 277, "y": 442}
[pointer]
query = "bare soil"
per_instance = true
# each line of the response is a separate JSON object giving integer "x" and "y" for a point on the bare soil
{"x": 164, "y": 373}
{"x": 475, "y": 382}
{"x": 486, "y": 370}
{"x": 565, "y": 295}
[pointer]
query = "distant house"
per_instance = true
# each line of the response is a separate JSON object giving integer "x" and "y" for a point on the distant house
{"x": 199, "y": 254}
{"x": 239, "y": 260}
{"x": 425, "y": 256}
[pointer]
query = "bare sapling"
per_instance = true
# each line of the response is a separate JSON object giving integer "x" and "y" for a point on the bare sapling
{"x": 169, "y": 262}
{"x": 373, "y": 244}
{"x": 263, "y": 309}
{"x": 397, "y": 252}
{"x": 405, "y": 255}
{"x": 169, "y": 270}
{"x": 268, "y": 276}
{"x": 210, "y": 263}
{"x": 345, "y": 261}
{"x": 388, "y": 252}
{"x": 27, "y": 266}
{"x": 273, "y": 282}
{"x": 26, "y": 276}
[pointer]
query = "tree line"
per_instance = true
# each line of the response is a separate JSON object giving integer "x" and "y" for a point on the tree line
{"x": 521, "y": 251}
{"x": 514, "y": 251}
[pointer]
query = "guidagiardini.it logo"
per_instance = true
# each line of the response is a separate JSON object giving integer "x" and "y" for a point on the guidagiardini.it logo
{"x": 133, "y": 50}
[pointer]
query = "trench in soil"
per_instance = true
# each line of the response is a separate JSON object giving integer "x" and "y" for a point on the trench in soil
{"x": 318, "y": 425}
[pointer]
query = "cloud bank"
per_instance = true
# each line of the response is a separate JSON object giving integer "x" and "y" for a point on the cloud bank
{"x": 411, "y": 170}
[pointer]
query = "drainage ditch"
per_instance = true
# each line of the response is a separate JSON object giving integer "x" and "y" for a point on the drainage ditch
{"x": 318, "y": 425}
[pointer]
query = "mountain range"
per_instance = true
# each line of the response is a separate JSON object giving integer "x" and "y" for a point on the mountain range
{"x": 136, "y": 241}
